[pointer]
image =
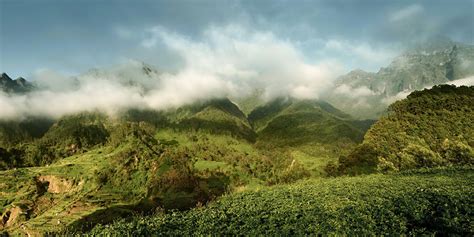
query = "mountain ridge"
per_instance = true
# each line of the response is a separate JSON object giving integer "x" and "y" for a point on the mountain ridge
{"x": 19, "y": 85}
{"x": 415, "y": 69}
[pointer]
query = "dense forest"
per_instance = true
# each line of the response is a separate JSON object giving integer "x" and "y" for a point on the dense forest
{"x": 430, "y": 128}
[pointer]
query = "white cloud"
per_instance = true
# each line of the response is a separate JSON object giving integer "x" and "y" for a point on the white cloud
{"x": 46, "y": 78}
{"x": 399, "y": 96}
{"x": 351, "y": 92}
{"x": 226, "y": 61}
{"x": 467, "y": 81}
{"x": 249, "y": 59}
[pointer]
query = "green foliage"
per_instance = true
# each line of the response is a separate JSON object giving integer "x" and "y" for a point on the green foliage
{"x": 416, "y": 156}
{"x": 429, "y": 128}
{"x": 14, "y": 132}
{"x": 435, "y": 202}
{"x": 457, "y": 152}
{"x": 77, "y": 132}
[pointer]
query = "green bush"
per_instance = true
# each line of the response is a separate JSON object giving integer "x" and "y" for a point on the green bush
{"x": 425, "y": 202}
{"x": 458, "y": 152}
{"x": 429, "y": 128}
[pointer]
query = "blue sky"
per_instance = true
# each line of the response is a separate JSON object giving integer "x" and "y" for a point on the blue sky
{"x": 73, "y": 36}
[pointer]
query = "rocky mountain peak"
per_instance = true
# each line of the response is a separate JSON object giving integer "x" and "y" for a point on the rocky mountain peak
{"x": 19, "y": 85}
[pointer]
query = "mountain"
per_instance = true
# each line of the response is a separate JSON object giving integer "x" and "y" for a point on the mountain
{"x": 429, "y": 128}
{"x": 90, "y": 168}
{"x": 19, "y": 85}
{"x": 292, "y": 122}
{"x": 132, "y": 73}
{"x": 367, "y": 94}
{"x": 218, "y": 116}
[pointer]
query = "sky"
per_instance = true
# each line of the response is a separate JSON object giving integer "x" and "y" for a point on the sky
{"x": 73, "y": 36}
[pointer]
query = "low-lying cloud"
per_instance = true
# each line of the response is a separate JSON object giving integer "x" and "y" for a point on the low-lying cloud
{"x": 225, "y": 61}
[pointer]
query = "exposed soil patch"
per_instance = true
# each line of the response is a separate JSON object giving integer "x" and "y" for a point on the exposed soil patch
{"x": 56, "y": 184}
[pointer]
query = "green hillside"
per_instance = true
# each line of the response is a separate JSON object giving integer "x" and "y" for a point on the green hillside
{"x": 428, "y": 202}
{"x": 219, "y": 116}
{"x": 291, "y": 122}
{"x": 429, "y": 128}
{"x": 40, "y": 142}
{"x": 89, "y": 168}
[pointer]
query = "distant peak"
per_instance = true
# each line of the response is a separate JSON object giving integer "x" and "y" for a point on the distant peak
{"x": 21, "y": 81}
{"x": 358, "y": 71}
{"x": 5, "y": 77}
{"x": 437, "y": 44}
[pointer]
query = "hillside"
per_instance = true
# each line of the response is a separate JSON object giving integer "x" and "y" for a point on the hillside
{"x": 163, "y": 160}
{"x": 313, "y": 132}
{"x": 135, "y": 171}
{"x": 284, "y": 118}
{"x": 219, "y": 116}
{"x": 429, "y": 202}
{"x": 429, "y": 128}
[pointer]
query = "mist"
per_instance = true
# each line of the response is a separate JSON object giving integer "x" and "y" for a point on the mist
{"x": 228, "y": 61}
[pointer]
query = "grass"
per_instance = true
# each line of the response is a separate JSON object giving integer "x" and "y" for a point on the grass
{"x": 313, "y": 164}
{"x": 209, "y": 165}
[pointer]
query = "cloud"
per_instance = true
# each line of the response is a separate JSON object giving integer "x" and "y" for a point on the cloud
{"x": 351, "y": 92}
{"x": 250, "y": 59}
{"x": 406, "y": 13}
{"x": 229, "y": 61}
{"x": 52, "y": 80}
{"x": 467, "y": 81}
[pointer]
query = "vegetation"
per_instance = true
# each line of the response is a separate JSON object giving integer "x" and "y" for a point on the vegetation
{"x": 209, "y": 169}
{"x": 430, "y": 128}
{"x": 425, "y": 202}
{"x": 290, "y": 122}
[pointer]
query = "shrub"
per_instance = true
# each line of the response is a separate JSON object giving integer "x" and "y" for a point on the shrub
{"x": 458, "y": 152}
{"x": 437, "y": 202}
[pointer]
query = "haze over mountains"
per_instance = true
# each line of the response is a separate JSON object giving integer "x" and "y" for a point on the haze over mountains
{"x": 367, "y": 94}
{"x": 138, "y": 85}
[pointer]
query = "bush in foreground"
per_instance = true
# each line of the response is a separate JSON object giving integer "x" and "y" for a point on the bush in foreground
{"x": 430, "y": 201}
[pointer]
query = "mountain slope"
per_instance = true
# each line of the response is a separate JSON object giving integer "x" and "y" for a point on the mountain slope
{"x": 291, "y": 122}
{"x": 429, "y": 128}
{"x": 219, "y": 116}
{"x": 366, "y": 94}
